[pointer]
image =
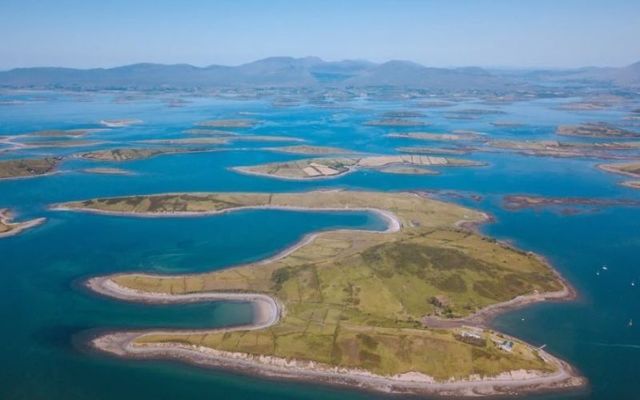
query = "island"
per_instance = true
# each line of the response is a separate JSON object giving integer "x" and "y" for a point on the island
{"x": 566, "y": 205}
{"x": 554, "y": 148}
{"x": 310, "y": 150}
{"x": 403, "y": 114}
{"x": 437, "y": 136}
{"x": 120, "y": 123}
{"x": 321, "y": 168}
{"x": 28, "y": 167}
{"x": 367, "y": 309}
{"x": 407, "y": 170}
{"x": 631, "y": 184}
{"x": 628, "y": 168}
{"x": 596, "y": 130}
{"x": 507, "y": 124}
{"x": 458, "y": 150}
{"x": 228, "y": 123}
{"x": 395, "y": 122}
{"x": 9, "y": 228}
{"x": 107, "y": 171}
{"x": 131, "y": 154}
{"x": 210, "y": 132}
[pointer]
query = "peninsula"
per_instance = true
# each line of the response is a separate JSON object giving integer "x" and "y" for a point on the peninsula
{"x": 28, "y": 167}
{"x": 9, "y": 228}
{"x": 347, "y": 307}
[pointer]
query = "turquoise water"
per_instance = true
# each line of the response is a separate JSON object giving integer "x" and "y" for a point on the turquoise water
{"x": 45, "y": 312}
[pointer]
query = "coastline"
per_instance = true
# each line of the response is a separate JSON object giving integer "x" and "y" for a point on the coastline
{"x": 17, "y": 227}
{"x": 243, "y": 170}
{"x": 268, "y": 312}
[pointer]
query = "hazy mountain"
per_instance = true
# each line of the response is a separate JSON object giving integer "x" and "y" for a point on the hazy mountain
{"x": 299, "y": 72}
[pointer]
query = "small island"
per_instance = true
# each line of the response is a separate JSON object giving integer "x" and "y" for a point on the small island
{"x": 321, "y": 168}
{"x": 107, "y": 171}
{"x": 228, "y": 123}
{"x": 131, "y": 154}
{"x": 28, "y": 167}
{"x": 120, "y": 123}
{"x": 629, "y": 168}
{"x": 596, "y": 130}
{"x": 404, "y": 310}
{"x": 566, "y": 205}
{"x": 9, "y": 228}
{"x": 458, "y": 150}
{"x": 395, "y": 122}
{"x": 437, "y": 136}
{"x": 631, "y": 184}
{"x": 554, "y": 148}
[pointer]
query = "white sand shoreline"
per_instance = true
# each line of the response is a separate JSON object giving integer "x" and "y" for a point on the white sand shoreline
{"x": 17, "y": 227}
{"x": 269, "y": 311}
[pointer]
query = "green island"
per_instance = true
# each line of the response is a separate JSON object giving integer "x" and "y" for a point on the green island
{"x": 458, "y": 150}
{"x": 407, "y": 170}
{"x": 320, "y": 168}
{"x": 554, "y": 148}
{"x": 28, "y": 167}
{"x": 131, "y": 154}
{"x": 9, "y": 228}
{"x": 403, "y": 310}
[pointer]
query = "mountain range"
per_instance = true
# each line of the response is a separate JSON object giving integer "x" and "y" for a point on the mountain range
{"x": 308, "y": 72}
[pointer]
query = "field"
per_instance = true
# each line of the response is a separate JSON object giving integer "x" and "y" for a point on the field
{"x": 356, "y": 299}
{"x": 314, "y": 168}
{"x": 26, "y": 167}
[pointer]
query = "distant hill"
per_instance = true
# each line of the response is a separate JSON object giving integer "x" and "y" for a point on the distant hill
{"x": 300, "y": 72}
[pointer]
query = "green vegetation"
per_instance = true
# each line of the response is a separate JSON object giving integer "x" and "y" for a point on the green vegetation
{"x": 328, "y": 167}
{"x": 596, "y": 130}
{"x": 356, "y": 299}
{"x": 27, "y": 167}
{"x": 130, "y": 154}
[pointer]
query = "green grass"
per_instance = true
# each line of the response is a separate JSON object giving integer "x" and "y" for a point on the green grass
{"x": 356, "y": 299}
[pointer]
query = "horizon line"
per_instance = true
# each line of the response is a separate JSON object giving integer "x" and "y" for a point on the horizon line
{"x": 204, "y": 66}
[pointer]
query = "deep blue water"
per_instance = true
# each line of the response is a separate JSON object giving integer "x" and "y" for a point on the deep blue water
{"x": 43, "y": 309}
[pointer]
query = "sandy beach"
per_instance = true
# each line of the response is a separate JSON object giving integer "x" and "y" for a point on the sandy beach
{"x": 17, "y": 227}
{"x": 267, "y": 313}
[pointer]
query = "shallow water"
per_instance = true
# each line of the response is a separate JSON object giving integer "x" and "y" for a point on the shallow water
{"x": 43, "y": 308}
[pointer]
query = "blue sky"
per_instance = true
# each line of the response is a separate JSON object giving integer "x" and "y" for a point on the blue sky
{"x": 559, "y": 33}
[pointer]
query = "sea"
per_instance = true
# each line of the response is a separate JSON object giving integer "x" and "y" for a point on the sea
{"x": 46, "y": 313}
